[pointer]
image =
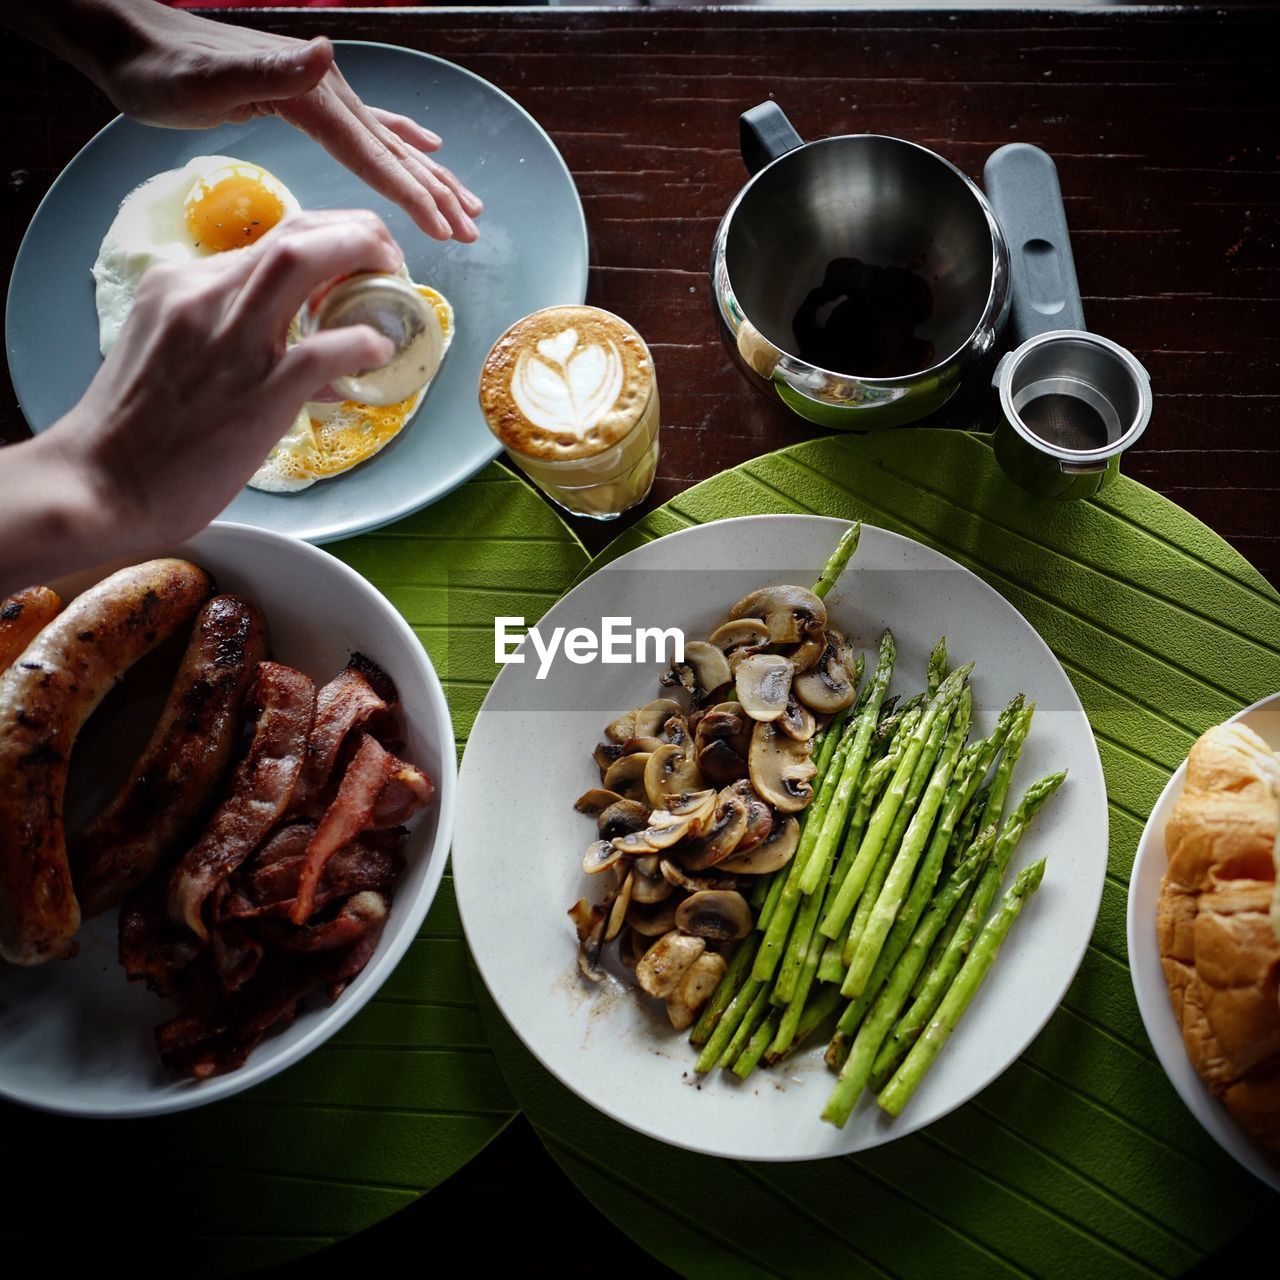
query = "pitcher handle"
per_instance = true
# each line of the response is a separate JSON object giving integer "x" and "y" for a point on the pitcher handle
{"x": 764, "y": 134}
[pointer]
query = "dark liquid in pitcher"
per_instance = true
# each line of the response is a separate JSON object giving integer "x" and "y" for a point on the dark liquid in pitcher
{"x": 861, "y": 320}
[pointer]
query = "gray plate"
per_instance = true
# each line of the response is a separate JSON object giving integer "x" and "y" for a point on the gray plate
{"x": 532, "y": 253}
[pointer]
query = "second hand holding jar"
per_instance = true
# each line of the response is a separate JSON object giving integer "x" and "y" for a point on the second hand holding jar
{"x": 570, "y": 392}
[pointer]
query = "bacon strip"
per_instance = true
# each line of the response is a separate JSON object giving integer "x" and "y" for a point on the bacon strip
{"x": 360, "y": 913}
{"x": 260, "y": 794}
{"x": 346, "y": 703}
{"x": 407, "y": 790}
{"x": 271, "y": 890}
{"x": 350, "y": 813}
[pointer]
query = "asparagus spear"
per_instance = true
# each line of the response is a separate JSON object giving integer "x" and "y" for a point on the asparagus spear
{"x": 1004, "y": 770}
{"x": 899, "y": 1090}
{"x": 851, "y": 774}
{"x": 816, "y": 1012}
{"x": 887, "y": 810}
{"x": 935, "y": 986}
{"x": 727, "y": 1027}
{"x": 856, "y": 1070}
{"x": 755, "y": 1015}
{"x": 936, "y": 668}
{"x": 727, "y": 988}
{"x": 898, "y": 880}
{"x": 777, "y": 927}
{"x": 750, "y": 1056}
{"x": 840, "y": 557}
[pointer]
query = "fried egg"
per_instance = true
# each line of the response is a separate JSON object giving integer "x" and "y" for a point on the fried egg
{"x": 211, "y": 205}
{"x": 327, "y": 439}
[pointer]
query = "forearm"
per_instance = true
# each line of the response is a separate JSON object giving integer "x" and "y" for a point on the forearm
{"x": 92, "y": 35}
{"x": 51, "y": 520}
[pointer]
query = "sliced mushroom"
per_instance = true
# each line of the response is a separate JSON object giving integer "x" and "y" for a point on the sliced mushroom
{"x": 682, "y": 879}
{"x": 621, "y": 729}
{"x": 807, "y": 653}
{"x": 721, "y": 915}
{"x": 829, "y": 687}
{"x": 764, "y": 683}
{"x": 759, "y": 818}
{"x": 696, "y": 987}
{"x": 666, "y": 962}
{"x": 590, "y": 921}
{"x": 723, "y": 739}
{"x": 596, "y": 800}
{"x": 669, "y": 771}
{"x": 771, "y": 853}
{"x": 650, "y": 886}
{"x": 618, "y": 911}
{"x": 605, "y": 754}
{"x": 650, "y": 719}
{"x": 664, "y": 830}
{"x": 740, "y": 638}
{"x": 797, "y": 720}
{"x": 600, "y": 856}
{"x": 626, "y": 776}
{"x": 653, "y": 919}
{"x": 704, "y": 670}
{"x": 781, "y": 768}
{"x": 786, "y": 610}
{"x": 621, "y": 818}
{"x": 697, "y": 805}
{"x": 720, "y": 839}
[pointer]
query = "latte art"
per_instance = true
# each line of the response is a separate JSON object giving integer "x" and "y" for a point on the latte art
{"x": 565, "y": 386}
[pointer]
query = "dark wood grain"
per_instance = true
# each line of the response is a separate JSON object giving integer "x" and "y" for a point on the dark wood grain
{"x": 1164, "y": 125}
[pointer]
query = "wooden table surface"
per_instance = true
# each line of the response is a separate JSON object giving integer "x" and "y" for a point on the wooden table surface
{"x": 1164, "y": 125}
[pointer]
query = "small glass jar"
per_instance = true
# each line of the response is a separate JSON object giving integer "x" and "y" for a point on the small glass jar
{"x": 392, "y": 306}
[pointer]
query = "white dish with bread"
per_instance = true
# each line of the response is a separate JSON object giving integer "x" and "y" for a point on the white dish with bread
{"x": 1204, "y": 935}
{"x": 257, "y": 814}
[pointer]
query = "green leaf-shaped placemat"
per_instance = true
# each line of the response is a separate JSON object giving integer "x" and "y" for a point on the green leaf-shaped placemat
{"x": 409, "y": 1090}
{"x": 1080, "y": 1161}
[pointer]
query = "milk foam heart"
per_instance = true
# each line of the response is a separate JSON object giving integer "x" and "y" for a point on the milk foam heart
{"x": 568, "y": 386}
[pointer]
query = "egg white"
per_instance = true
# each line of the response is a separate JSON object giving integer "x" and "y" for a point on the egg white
{"x": 151, "y": 228}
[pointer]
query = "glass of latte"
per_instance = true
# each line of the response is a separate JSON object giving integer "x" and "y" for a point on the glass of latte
{"x": 571, "y": 394}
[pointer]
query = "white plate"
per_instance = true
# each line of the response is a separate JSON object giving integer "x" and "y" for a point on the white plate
{"x": 518, "y": 844}
{"x": 1149, "y": 985}
{"x": 532, "y": 253}
{"x": 75, "y": 1036}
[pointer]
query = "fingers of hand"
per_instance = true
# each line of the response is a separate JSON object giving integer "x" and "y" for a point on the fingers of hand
{"x": 308, "y": 366}
{"x": 336, "y": 118}
{"x": 410, "y": 131}
{"x": 303, "y": 253}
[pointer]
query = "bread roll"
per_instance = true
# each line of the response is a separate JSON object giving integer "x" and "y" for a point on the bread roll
{"x": 1220, "y": 953}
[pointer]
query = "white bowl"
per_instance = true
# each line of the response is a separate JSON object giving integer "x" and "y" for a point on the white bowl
{"x": 518, "y": 847}
{"x": 75, "y": 1036}
{"x": 1149, "y": 985}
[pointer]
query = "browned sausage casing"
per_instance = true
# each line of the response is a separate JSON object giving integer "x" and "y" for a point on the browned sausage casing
{"x": 151, "y": 818}
{"x": 23, "y": 616}
{"x": 45, "y": 698}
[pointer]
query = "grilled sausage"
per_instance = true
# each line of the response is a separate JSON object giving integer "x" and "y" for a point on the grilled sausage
{"x": 153, "y": 816}
{"x": 23, "y": 616}
{"x": 45, "y": 698}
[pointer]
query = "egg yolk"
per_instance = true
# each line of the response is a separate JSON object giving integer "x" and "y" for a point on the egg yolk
{"x": 232, "y": 213}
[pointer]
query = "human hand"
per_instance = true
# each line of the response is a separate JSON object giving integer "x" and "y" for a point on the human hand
{"x": 182, "y": 71}
{"x": 200, "y": 384}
